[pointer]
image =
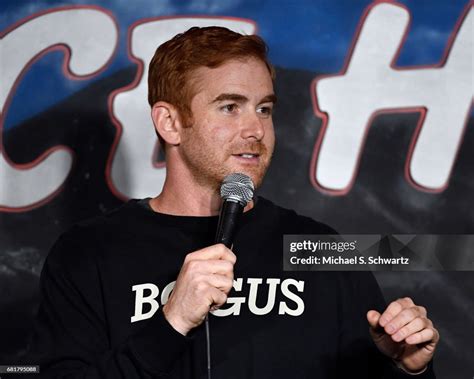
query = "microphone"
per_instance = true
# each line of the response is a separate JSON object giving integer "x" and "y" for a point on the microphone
{"x": 236, "y": 191}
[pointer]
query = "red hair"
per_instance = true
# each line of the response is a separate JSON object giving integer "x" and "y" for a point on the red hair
{"x": 175, "y": 60}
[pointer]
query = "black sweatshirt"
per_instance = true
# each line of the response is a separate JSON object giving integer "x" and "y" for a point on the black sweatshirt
{"x": 105, "y": 281}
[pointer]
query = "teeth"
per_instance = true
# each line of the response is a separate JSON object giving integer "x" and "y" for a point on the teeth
{"x": 247, "y": 155}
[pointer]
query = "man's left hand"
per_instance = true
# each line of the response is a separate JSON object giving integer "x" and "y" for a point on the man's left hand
{"x": 404, "y": 333}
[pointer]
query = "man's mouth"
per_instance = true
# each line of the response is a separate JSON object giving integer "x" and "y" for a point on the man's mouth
{"x": 247, "y": 155}
{"x": 248, "y": 158}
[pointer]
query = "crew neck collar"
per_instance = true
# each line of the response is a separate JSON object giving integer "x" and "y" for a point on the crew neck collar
{"x": 193, "y": 222}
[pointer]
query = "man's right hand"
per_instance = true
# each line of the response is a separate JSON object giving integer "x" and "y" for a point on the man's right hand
{"x": 205, "y": 279}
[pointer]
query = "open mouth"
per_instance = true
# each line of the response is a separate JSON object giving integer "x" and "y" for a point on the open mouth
{"x": 247, "y": 155}
{"x": 248, "y": 158}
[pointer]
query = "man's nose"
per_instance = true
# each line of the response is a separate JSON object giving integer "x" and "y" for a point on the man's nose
{"x": 253, "y": 127}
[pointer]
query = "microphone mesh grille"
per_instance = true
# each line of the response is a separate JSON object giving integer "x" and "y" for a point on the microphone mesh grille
{"x": 237, "y": 187}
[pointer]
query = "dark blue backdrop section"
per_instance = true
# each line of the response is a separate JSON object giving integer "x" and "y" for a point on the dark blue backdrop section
{"x": 305, "y": 35}
{"x": 308, "y": 40}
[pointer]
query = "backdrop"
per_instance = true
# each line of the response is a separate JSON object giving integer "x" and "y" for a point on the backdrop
{"x": 374, "y": 128}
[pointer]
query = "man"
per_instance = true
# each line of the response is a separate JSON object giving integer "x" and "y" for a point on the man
{"x": 125, "y": 295}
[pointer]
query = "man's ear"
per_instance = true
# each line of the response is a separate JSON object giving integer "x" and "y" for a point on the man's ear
{"x": 167, "y": 122}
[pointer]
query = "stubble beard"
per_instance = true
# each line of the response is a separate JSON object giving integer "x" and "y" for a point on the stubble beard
{"x": 209, "y": 170}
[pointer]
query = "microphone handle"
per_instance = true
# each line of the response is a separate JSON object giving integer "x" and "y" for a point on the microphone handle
{"x": 228, "y": 220}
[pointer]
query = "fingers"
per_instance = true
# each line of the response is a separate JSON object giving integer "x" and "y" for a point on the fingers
{"x": 429, "y": 334}
{"x": 215, "y": 252}
{"x": 215, "y": 288}
{"x": 405, "y": 321}
{"x": 399, "y": 313}
{"x": 373, "y": 318}
{"x": 414, "y": 326}
{"x": 202, "y": 267}
{"x": 394, "y": 309}
{"x": 217, "y": 298}
{"x": 221, "y": 282}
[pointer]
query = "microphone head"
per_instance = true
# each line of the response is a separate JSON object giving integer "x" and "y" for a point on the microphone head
{"x": 238, "y": 188}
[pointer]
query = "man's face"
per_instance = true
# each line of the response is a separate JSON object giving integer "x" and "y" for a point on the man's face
{"x": 232, "y": 128}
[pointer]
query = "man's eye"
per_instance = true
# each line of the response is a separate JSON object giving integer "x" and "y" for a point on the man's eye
{"x": 229, "y": 108}
{"x": 267, "y": 111}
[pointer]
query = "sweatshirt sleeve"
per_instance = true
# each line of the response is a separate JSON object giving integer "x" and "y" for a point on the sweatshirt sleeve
{"x": 358, "y": 356}
{"x": 70, "y": 336}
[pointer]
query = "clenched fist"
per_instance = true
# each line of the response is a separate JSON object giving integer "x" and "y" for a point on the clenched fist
{"x": 204, "y": 281}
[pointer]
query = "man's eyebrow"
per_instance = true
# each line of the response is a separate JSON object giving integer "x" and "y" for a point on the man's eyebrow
{"x": 242, "y": 99}
{"x": 230, "y": 96}
{"x": 269, "y": 99}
